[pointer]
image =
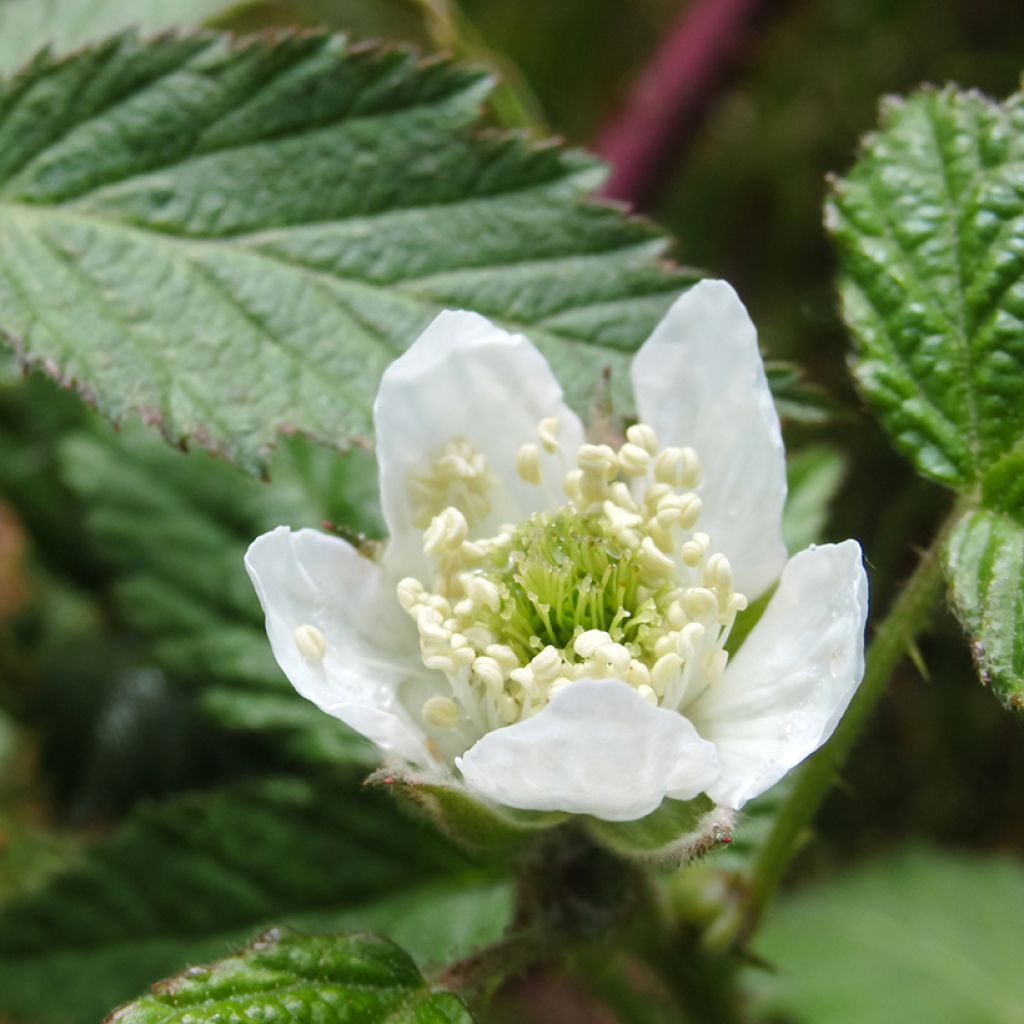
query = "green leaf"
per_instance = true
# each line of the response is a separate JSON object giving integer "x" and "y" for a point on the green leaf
{"x": 184, "y": 880}
{"x": 920, "y": 936}
{"x": 26, "y": 26}
{"x": 984, "y": 562}
{"x": 174, "y": 528}
{"x": 928, "y": 225}
{"x": 815, "y": 476}
{"x": 288, "y": 977}
{"x": 233, "y": 239}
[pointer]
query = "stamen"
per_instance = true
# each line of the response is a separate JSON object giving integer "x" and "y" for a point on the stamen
{"x": 310, "y": 641}
{"x": 615, "y": 584}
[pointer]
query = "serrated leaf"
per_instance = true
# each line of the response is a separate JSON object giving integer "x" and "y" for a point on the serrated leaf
{"x": 920, "y": 936}
{"x": 174, "y": 528}
{"x": 186, "y": 879}
{"x": 288, "y": 977}
{"x": 26, "y": 26}
{"x": 929, "y": 225}
{"x": 984, "y": 562}
{"x": 930, "y": 230}
{"x": 232, "y": 239}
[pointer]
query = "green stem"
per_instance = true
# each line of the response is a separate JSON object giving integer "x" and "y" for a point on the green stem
{"x": 909, "y": 615}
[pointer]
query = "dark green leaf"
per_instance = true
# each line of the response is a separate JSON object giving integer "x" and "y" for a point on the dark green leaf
{"x": 915, "y": 937}
{"x": 232, "y": 239}
{"x": 929, "y": 225}
{"x": 26, "y": 26}
{"x": 174, "y": 529}
{"x": 288, "y": 977}
{"x": 185, "y": 880}
{"x": 984, "y": 562}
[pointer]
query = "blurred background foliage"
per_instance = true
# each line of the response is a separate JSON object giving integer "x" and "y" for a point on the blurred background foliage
{"x": 132, "y": 661}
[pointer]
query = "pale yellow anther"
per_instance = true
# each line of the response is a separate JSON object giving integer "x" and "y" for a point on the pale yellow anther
{"x": 524, "y": 678}
{"x": 503, "y": 655}
{"x": 611, "y": 660}
{"x": 547, "y": 664}
{"x": 620, "y": 493}
{"x": 681, "y": 510}
{"x": 593, "y": 486}
{"x": 597, "y": 458}
{"x": 738, "y": 603}
{"x": 619, "y": 518}
{"x": 638, "y": 674}
{"x": 441, "y": 712}
{"x": 488, "y": 671}
{"x": 664, "y": 671}
{"x": 446, "y": 532}
{"x": 572, "y": 484}
{"x": 655, "y": 562}
{"x": 479, "y": 636}
{"x": 718, "y": 573}
{"x": 458, "y": 476}
{"x": 464, "y": 608}
{"x": 700, "y": 603}
{"x": 311, "y": 643}
{"x": 483, "y": 592}
{"x": 675, "y": 615}
{"x": 528, "y": 463}
{"x": 410, "y": 592}
{"x": 547, "y": 434}
{"x": 691, "y": 553}
{"x": 433, "y": 631}
{"x": 508, "y": 709}
{"x": 463, "y": 656}
{"x": 648, "y": 694}
{"x": 665, "y": 644}
{"x": 587, "y": 644}
{"x": 690, "y": 638}
{"x": 558, "y": 685}
{"x": 644, "y": 437}
{"x": 440, "y": 604}
{"x": 634, "y": 460}
{"x": 458, "y": 641}
{"x": 440, "y": 663}
{"x": 677, "y": 467}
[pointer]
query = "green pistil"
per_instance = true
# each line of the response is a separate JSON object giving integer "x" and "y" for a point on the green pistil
{"x": 562, "y": 574}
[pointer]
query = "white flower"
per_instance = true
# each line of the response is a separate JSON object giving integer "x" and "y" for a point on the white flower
{"x": 548, "y": 623}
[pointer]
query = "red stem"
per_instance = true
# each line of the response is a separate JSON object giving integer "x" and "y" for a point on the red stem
{"x": 647, "y": 132}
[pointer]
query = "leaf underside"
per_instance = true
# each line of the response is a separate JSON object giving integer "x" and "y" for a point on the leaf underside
{"x": 287, "y": 977}
{"x": 233, "y": 238}
{"x": 929, "y": 225}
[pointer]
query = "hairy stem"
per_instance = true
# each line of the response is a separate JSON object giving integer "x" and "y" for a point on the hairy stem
{"x": 908, "y": 616}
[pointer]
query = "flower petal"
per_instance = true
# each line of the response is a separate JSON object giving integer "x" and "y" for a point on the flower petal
{"x": 785, "y": 691}
{"x": 307, "y": 578}
{"x": 699, "y": 381}
{"x": 466, "y": 378}
{"x": 598, "y": 748}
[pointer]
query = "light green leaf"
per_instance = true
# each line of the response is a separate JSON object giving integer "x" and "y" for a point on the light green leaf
{"x": 288, "y": 977}
{"x": 187, "y": 879}
{"x": 929, "y": 225}
{"x": 26, "y": 26}
{"x": 920, "y": 936}
{"x": 232, "y": 239}
{"x": 174, "y": 528}
{"x": 984, "y": 562}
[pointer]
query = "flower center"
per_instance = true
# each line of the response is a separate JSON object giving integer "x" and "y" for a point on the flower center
{"x": 617, "y": 583}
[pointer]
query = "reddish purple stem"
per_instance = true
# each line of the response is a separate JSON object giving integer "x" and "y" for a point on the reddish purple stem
{"x": 647, "y": 133}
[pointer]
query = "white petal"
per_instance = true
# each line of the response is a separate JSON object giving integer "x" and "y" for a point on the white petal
{"x": 464, "y": 377}
{"x": 699, "y": 381}
{"x": 785, "y": 691}
{"x": 598, "y": 748}
{"x": 307, "y": 578}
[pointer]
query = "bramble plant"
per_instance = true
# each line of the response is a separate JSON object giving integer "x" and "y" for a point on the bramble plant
{"x": 545, "y": 663}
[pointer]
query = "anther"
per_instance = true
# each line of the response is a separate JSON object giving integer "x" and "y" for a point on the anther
{"x": 587, "y": 644}
{"x": 446, "y": 532}
{"x": 634, "y": 460}
{"x": 700, "y": 603}
{"x": 310, "y": 641}
{"x": 489, "y": 672}
{"x": 644, "y": 437}
{"x": 547, "y": 434}
{"x": 528, "y": 463}
{"x": 482, "y": 591}
{"x": 664, "y": 671}
{"x": 442, "y": 712}
{"x": 678, "y": 467}
{"x": 598, "y": 458}
{"x": 648, "y": 694}
{"x": 410, "y": 592}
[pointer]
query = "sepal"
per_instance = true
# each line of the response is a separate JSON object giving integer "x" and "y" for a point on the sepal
{"x": 475, "y": 824}
{"x": 678, "y": 832}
